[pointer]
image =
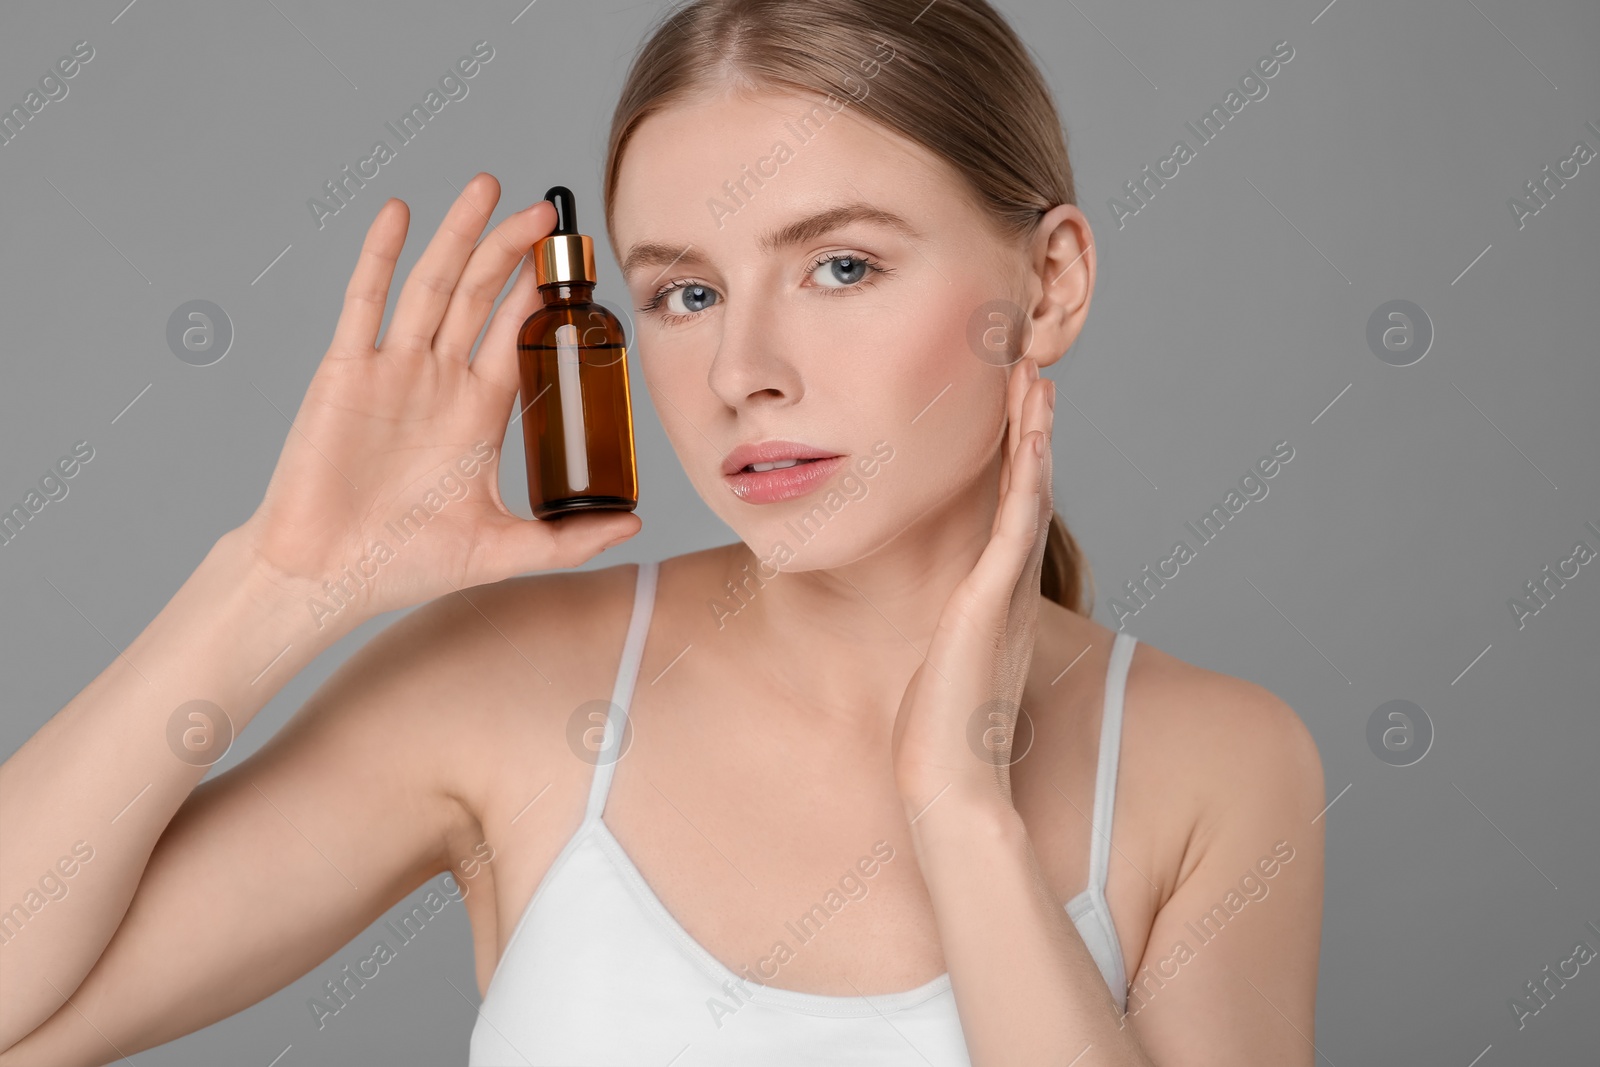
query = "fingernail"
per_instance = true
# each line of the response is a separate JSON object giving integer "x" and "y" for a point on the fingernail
{"x": 1051, "y": 396}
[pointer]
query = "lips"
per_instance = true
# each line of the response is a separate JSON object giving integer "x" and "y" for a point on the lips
{"x": 782, "y": 483}
{"x": 787, "y": 469}
{"x": 771, "y": 452}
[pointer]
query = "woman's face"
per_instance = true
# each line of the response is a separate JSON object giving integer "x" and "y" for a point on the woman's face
{"x": 785, "y": 304}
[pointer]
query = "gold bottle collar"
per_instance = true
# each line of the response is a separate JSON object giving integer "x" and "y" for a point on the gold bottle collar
{"x": 564, "y": 258}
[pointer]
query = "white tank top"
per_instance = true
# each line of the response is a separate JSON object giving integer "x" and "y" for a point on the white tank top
{"x": 598, "y": 971}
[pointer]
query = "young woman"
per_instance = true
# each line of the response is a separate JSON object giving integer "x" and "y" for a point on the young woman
{"x": 810, "y": 823}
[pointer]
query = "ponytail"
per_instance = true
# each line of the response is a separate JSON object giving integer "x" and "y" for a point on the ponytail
{"x": 1066, "y": 576}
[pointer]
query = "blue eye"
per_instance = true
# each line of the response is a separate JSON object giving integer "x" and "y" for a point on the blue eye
{"x": 834, "y": 273}
{"x": 695, "y": 298}
{"x": 840, "y": 270}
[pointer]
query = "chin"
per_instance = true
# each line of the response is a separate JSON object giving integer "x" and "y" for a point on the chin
{"x": 805, "y": 535}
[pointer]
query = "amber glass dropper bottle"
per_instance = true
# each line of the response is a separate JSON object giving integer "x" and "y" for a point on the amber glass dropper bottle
{"x": 577, "y": 421}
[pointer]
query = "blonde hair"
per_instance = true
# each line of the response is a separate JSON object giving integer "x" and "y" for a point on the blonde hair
{"x": 958, "y": 82}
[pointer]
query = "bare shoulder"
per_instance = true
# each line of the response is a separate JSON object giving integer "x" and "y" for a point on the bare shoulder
{"x": 456, "y": 685}
{"x": 1219, "y": 792}
{"x": 1204, "y": 757}
{"x": 1220, "y": 724}
{"x": 511, "y": 644}
{"x": 549, "y": 607}
{"x": 1230, "y": 754}
{"x": 1196, "y": 724}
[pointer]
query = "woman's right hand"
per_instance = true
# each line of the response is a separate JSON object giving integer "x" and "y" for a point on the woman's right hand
{"x": 388, "y": 429}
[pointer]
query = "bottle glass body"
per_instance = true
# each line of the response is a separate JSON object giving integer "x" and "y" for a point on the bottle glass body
{"x": 577, "y": 415}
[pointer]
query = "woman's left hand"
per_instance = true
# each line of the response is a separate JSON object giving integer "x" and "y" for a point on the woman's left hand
{"x": 954, "y": 729}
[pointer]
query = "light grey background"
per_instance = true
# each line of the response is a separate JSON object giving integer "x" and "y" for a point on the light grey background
{"x": 1232, "y": 315}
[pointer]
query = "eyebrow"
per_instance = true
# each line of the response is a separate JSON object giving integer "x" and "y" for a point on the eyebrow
{"x": 809, "y": 227}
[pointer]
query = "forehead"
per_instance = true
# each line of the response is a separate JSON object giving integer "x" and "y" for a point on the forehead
{"x": 727, "y": 171}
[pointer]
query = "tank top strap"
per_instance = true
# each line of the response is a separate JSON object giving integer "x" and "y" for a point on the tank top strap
{"x": 615, "y": 739}
{"x": 1105, "y": 787}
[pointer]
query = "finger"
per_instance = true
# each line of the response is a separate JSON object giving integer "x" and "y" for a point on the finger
{"x": 428, "y": 287}
{"x": 367, "y": 293}
{"x": 1047, "y": 491}
{"x": 1005, "y": 487}
{"x": 989, "y": 595}
{"x": 1023, "y": 375}
{"x": 1021, "y": 527}
{"x": 497, "y": 359}
{"x": 1017, "y": 385}
{"x": 491, "y": 264}
{"x": 516, "y": 546}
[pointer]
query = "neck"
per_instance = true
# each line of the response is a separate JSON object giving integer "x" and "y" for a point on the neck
{"x": 849, "y": 637}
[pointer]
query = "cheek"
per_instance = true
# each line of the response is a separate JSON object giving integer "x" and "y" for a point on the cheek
{"x": 674, "y": 365}
{"x": 934, "y": 377}
{"x": 656, "y": 349}
{"x": 674, "y": 374}
{"x": 921, "y": 388}
{"x": 913, "y": 366}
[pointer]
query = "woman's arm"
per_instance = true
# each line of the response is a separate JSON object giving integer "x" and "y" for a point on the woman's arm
{"x": 1028, "y": 990}
{"x": 1229, "y": 973}
{"x": 397, "y": 432}
{"x": 263, "y": 871}
{"x": 103, "y": 776}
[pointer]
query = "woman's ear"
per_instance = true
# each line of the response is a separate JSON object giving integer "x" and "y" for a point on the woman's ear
{"x": 1060, "y": 281}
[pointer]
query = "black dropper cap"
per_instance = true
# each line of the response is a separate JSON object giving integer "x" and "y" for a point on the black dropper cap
{"x": 566, "y": 209}
{"x": 566, "y": 256}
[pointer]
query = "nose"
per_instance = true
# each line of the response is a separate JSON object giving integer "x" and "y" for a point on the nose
{"x": 753, "y": 362}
